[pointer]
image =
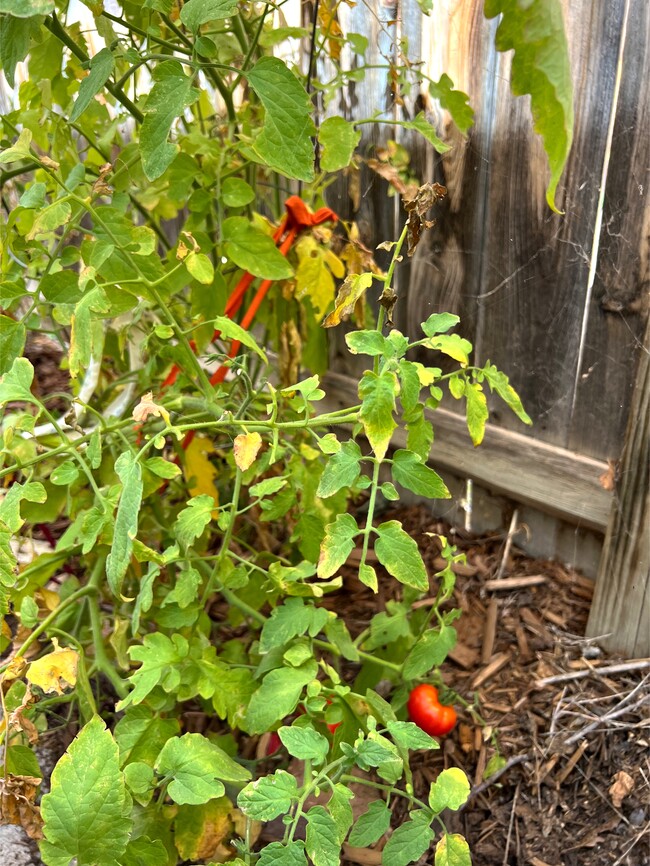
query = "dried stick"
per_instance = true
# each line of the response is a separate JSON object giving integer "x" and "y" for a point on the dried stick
{"x": 639, "y": 665}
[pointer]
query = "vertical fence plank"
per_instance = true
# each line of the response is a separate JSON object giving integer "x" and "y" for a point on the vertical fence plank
{"x": 621, "y": 293}
{"x": 621, "y": 606}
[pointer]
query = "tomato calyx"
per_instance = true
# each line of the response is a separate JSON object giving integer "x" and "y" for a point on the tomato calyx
{"x": 425, "y": 709}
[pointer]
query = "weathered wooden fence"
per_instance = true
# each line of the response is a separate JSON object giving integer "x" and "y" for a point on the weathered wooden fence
{"x": 558, "y": 302}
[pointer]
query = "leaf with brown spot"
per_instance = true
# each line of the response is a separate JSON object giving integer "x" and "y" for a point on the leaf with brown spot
{"x": 388, "y": 299}
{"x": 56, "y": 671}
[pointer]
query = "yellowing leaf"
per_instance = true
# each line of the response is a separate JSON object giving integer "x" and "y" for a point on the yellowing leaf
{"x": 202, "y": 830}
{"x": 314, "y": 273}
{"x": 199, "y": 472}
{"x": 245, "y": 449}
{"x": 55, "y": 672}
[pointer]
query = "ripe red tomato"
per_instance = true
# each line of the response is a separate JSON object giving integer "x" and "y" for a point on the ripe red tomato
{"x": 428, "y": 713}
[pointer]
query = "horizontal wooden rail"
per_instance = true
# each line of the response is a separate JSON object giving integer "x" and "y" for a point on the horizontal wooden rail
{"x": 553, "y": 480}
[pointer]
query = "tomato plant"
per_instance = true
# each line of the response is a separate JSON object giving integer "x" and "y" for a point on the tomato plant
{"x": 425, "y": 709}
{"x": 167, "y": 540}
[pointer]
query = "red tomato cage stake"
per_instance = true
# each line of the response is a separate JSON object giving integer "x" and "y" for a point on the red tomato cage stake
{"x": 297, "y": 219}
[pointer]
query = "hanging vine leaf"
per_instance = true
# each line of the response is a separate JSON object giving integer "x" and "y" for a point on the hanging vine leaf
{"x": 540, "y": 67}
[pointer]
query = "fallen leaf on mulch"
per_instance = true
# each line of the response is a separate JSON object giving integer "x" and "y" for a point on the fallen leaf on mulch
{"x": 622, "y": 785}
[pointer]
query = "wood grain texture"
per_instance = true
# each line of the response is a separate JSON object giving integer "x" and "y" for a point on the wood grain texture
{"x": 619, "y": 303}
{"x": 556, "y": 481}
{"x": 621, "y": 606}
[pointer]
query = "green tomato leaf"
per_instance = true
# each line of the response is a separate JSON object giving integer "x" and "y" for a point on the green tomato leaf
{"x": 232, "y": 331}
{"x": 399, "y": 555}
{"x": 408, "y": 735}
{"x": 409, "y": 842}
{"x": 16, "y": 383}
{"x": 453, "y": 850}
{"x": 454, "y": 101}
{"x": 12, "y": 342}
{"x": 541, "y": 68}
{"x": 269, "y": 797}
{"x": 337, "y": 544}
{"x": 421, "y": 124}
{"x": 366, "y": 343}
{"x": 277, "y": 696}
{"x": 26, "y": 8}
{"x": 439, "y": 323}
{"x": 200, "y": 267}
{"x": 371, "y": 826}
{"x": 101, "y": 68}
{"x": 284, "y": 143}
{"x": 429, "y": 651}
{"x": 197, "y": 12}
{"x": 129, "y": 471}
{"x": 377, "y": 393}
{"x": 192, "y": 520}
{"x": 236, "y": 192}
{"x": 409, "y": 471}
{"x": 338, "y": 139}
{"x": 321, "y": 838}
{"x": 449, "y": 791}
{"x": 140, "y": 735}
{"x": 198, "y": 769}
{"x": 144, "y": 851}
{"x": 341, "y": 810}
{"x": 65, "y": 474}
{"x": 15, "y": 36}
{"x": 289, "y": 620}
{"x": 87, "y": 812}
{"x": 20, "y": 150}
{"x": 341, "y": 470}
{"x": 253, "y": 250}
{"x": 277, "y": 854}
{"x": 161, "y": 660}
{"x": 304, "y": 743}
{"x": 170, "y": 95}
{"x": 500, "y": 384}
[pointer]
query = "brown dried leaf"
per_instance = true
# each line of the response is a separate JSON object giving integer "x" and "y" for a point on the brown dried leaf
{"x": 17, "y": 720}
{"x": 17, "y": 806}
{"x": 622, "y": 785}
{"x": 427, "y": 195}
{"x": 389, "y": 173}
{"x": 388, "y": 299}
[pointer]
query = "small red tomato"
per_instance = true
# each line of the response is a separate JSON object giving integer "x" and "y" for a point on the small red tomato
{"x": 428, "y": 713}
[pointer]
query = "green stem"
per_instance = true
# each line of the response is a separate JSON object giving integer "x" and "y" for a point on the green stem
{"x": 367, "y": 657}
{"x": 388, "y": 279}
{"x": 144, "y": 34}
{"x": 227, "y": 537}
{"x": 371, "y": 511}
{"x": 102, "y": 662}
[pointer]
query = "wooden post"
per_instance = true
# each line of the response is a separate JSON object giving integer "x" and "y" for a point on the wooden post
{"x": 621, "y": 606}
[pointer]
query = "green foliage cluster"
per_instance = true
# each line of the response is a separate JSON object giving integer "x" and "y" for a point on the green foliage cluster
{"x": 204, "y": 524}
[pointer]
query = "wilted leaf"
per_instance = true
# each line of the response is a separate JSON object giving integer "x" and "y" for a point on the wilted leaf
{"x": 425, "y": 198}
{"x": 351, "y": 290}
